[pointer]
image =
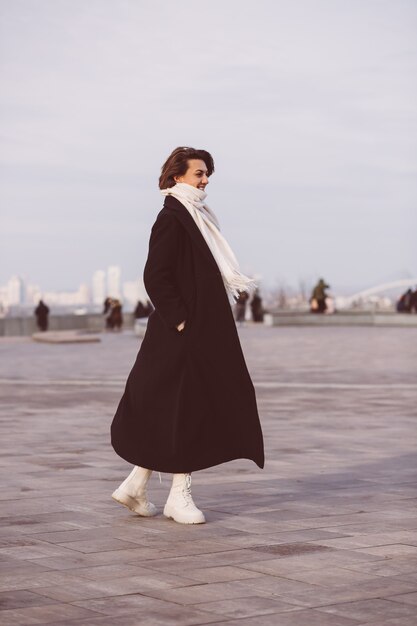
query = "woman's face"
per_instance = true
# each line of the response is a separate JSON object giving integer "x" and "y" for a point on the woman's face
{"x": 196, "y": 174}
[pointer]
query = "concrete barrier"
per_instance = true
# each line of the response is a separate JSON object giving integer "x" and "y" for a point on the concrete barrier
{"x": 26, "y": 326}
{"x": 66, "y": 336}
{"x": 347, "y": 318}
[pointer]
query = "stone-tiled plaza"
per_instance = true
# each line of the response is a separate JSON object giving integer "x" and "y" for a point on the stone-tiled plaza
{"x": 325, "y": 535}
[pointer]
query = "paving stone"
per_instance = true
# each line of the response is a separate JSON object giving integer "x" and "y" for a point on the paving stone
{"x": 67, "y": 536}
{"x": 295, "y": 618}
{"x": 192, "y": 548}
{"x": 108, "y": 557}
{"x": 43, "y": 579}
{"x": 246, "y": 607}
{"x": 226, "y": 557}
{"x": 319, "y": 596}
{"x": 202, "y": 593}
{"x": 325, "y": 535}
{"x": 317, "y": 561}
{"x": 34, "y": 551}
{"x": 161, "y": 617}
{"x": 221, "y": 574}
{"x": 371, "y": 610}
{"x": 47, "y": 614}
{"x": 386, "y": 567}
{"x": 407, "y": 598}
{"x": 98, "y": 545}
{"x": 370, "y": 540}
{"x": 125, "y": 605}
{"x": 392, "y": 550}
{"x": 277, "y": 586}
{"x": 408, "y": 577}
{"x": 330, "y": 577}
{"x": 12, "y": 567}
{"x": 112, "y": 587}
{"x": 104, "y": 572}
{"x": 398, "y": 621}
{"x": 19, "y": 599}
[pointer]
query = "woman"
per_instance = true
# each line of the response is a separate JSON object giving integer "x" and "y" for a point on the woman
{"x": 189, "y": 402}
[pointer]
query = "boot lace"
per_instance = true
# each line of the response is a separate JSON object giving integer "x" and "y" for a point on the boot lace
{"x": 186, "y": 492}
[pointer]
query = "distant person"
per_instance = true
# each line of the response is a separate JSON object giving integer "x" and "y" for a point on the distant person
{"x": 257, "y": 308}
{"x": 143, "y": 310}
{"x": 107, "y": 312}
{"x": 113, "y": 312}
{"x": 189, "y": 402}
{"x": 414, "y": 302}
{"x": 318, "y": 297}
{"x": 42, "y": 312}
{"x": 116, "y": 314}
{"x": 330, "y": 305}
{"x": 240, "y": 306}
{"x": 406, "y": 302}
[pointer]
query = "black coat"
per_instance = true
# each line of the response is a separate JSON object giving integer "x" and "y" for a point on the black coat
{"x": 189, "y": 402}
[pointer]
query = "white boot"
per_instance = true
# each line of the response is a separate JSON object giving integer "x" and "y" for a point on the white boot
{"x": 132, "y": 492}
{"x": 180, "y": 506}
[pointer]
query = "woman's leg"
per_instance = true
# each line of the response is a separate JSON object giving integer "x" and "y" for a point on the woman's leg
{"x": 180, "y": 505}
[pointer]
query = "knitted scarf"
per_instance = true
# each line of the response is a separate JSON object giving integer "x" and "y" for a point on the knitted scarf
{"x": 193, "y": 200}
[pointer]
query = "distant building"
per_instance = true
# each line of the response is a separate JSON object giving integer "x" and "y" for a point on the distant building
{"x": 114, "y": 281}
{"x": 131, "y": 292}
{"x": 84, "y": 294}
{"x": 99, "y": 291}
{"x": 16, "y": 291}
{"x": 33, "y": 294}
{"x": 4, "y": 296}
{"x": 67, "y": 298}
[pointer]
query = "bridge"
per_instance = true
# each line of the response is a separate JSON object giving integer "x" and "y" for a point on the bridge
{"x": 404, "y": 283}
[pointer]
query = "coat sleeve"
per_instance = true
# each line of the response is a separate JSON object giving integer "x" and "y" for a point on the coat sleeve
{"x": 159, "y": 270}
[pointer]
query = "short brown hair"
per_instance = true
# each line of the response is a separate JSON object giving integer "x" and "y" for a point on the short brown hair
{"x": 177, "y": 164}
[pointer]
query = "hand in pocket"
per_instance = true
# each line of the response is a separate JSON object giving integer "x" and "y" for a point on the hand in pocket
{"x": 181, "y": 326}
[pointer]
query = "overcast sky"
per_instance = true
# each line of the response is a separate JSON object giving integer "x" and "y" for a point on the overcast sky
{"x": 309, "y": 108}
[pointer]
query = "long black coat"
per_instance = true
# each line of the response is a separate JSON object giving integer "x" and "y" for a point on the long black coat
{"x": 189, "y": 402}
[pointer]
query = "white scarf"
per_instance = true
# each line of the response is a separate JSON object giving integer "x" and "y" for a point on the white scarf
{"x": 193, "y": 200}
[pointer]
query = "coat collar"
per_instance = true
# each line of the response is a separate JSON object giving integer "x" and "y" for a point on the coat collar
{"x": 172, "y": 204}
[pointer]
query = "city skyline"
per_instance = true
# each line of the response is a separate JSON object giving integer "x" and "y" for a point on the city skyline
{"x": 102, "y": 284}
{"x": 19, "y": 292}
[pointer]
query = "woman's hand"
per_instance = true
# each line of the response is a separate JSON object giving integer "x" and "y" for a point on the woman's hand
{"x": 181, "y": 326}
